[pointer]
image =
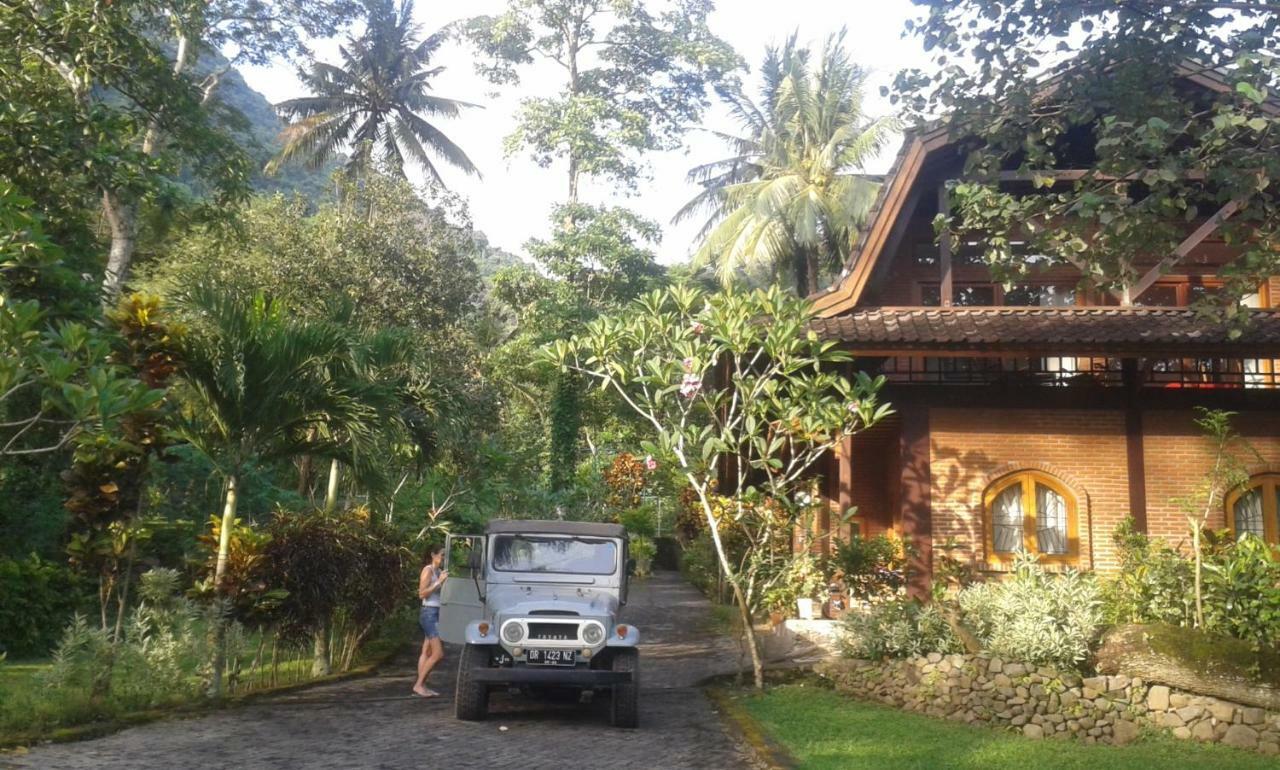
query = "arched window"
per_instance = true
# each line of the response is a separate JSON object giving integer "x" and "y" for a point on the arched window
{"x": 1032, "y": 512}
{"x": 1255, "y": 509}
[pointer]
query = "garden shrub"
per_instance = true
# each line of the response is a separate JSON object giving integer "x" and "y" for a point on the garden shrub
{"x": 643, "y": 550}
{"x": 801, "y": 578}
{"x": 897, "y": 629}
{"x": 873, "y": 567}
{"x": 698, "y": 563}
{"x": 37, "y": 600}
{"x": 1035, "y": 616}
{"x": 1242, "y": 592}
{"x": 162, "y": 656}
{"x": 336, "y": 572}
{"x": 639, "y": 521}
{"x": 1154, "y": 583}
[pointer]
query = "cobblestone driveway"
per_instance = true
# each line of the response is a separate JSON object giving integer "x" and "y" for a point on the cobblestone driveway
{"x": 373, "y": 723}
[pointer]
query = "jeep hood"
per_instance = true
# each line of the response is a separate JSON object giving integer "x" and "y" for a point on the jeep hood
{"x": 522, "y": 600}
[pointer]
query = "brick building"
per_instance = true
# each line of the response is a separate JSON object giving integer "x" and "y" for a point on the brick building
{"x": 1038, "y": 416}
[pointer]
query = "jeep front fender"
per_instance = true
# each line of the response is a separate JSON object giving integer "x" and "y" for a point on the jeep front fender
{"x": 474, "y": 636}
{"x": 630, "y": 640}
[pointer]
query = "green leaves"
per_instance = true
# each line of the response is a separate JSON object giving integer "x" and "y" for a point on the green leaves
{"x": 58, "y": 383}
{"x": 787, "y": 203}
{"x": 1127, "y": 103}
{"x": 635, "y": 79}
{"x": 728, "y": 378}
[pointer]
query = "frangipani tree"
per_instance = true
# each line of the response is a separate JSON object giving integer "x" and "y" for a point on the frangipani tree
{"x": 733, "y": 384}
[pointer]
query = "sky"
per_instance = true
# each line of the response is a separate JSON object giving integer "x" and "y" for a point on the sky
{"x": 513, "y": 199}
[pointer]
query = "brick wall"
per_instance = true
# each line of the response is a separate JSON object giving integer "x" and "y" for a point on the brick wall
{"x": 1177, "y": 457}
{"x": 1084, "y": 448}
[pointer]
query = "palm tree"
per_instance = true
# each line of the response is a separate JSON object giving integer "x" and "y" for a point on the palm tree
{"x": 257, "y": 385}
{"x": 790, "y": 198}
{"x": 376, "y": 101}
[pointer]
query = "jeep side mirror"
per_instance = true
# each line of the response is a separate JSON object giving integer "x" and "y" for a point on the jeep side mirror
{"x": 631, "y": 566}
{"x": 475, "y": 560}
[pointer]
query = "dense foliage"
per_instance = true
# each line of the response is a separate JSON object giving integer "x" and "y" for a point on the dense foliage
{"x": 1160, "y": 154}
{"x": 786, "y": 205}
{"x": 1036, "y": 616}
{"x": 897, "y": 629}
{"x": 734, "y": 381}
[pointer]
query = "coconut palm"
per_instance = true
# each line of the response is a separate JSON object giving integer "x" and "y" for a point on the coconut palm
{"x": 790, "y": 197}
{"x": 379, "y": 100}
{"x": 257, "y": 385}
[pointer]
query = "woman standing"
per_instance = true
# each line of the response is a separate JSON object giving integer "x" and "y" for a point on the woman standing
{"x": 430, "y": 581}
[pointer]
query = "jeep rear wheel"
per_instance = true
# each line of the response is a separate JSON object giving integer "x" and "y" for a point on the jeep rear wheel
{"x": 471, "y": 698}
{"x": 624, "y": 709}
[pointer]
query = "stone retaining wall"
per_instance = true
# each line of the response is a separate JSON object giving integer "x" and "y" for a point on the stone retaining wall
{"x": 1041, "y": 702}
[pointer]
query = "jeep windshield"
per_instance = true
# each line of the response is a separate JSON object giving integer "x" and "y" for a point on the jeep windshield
{"x": 561, "y": 555}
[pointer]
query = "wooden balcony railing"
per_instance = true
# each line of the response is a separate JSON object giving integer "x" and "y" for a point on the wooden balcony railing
{"x": 1081, "y": 371}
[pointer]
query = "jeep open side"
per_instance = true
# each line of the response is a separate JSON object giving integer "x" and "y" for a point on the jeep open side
{"x": 535, "y": 603}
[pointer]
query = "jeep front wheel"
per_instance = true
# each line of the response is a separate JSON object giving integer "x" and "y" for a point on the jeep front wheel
{"x": 471, "y": 698}
{"x": 625, "y": 707}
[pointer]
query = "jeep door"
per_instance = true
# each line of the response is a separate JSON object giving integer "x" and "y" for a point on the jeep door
{"x": 462, "y": 595}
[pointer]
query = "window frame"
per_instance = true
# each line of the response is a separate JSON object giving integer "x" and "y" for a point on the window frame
{"x": 1028, "y": 479}
{"x": 1269, "y": 484}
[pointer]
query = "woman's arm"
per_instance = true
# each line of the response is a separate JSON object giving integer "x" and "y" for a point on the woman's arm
{"x": 428, "y": 583}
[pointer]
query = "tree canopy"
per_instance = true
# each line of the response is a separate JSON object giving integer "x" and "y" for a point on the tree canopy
{"x": 788, "y": 201}
{"x": 1168, "y": 105}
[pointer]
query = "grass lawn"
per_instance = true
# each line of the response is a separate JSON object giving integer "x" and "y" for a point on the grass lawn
{"x": 823, "y": 729}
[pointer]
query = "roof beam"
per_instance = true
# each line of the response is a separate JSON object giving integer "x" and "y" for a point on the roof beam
{"x": 1163, "y": 266}
{"x": 1076, "y": 174}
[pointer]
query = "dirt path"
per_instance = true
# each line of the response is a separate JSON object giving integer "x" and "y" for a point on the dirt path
{"x": 374, "y": 723}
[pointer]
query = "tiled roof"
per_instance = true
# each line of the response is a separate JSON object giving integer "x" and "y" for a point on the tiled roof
{"x": 1069, "y": 329}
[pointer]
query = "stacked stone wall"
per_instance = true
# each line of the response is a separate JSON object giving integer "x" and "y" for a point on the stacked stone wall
{"x": 1041, "y": 702}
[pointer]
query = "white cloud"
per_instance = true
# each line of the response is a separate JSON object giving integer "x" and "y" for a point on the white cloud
{"x": 512, "y": 200}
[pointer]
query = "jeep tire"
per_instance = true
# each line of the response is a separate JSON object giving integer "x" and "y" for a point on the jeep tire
{"x": 471, "y": 698}
{"x": 624, "y": 708}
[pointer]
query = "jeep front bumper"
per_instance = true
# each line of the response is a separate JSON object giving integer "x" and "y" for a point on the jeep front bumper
{"x": 550, "y": 675}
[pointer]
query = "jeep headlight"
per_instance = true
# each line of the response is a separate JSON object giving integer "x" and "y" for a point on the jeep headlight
{"x": 512, "y": 633}
{"x": 593, "y": 633}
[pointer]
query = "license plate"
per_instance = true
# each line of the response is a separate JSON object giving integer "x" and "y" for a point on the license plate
{"x": 553, "y": 657}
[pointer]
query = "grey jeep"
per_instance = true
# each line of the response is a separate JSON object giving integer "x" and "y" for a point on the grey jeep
{"x": 535, "y": 605}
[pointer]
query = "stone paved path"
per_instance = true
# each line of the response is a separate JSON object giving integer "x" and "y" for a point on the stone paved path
{"x": 372, "y": 723}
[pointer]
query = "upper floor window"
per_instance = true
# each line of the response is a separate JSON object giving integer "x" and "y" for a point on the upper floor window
{"x": 1255, "y": 510}
{"x": 1031, "y": 512}
{"x": 988, "y": 294}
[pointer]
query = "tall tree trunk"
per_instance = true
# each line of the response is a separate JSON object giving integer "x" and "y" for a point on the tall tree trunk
{"x": 735, "y": 582}
{"x": 122, "y": 217}
{"x": 122, "y": 209}
{"x": 320, "y": 665}
{"x": 811, "y": 275}
{"x": 304, "y": 476}
{"x": 220, "y": 570}
{"x": 331, "y": 492}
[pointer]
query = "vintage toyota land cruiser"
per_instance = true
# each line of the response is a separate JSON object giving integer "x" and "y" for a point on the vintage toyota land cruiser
{"x": 535, "y": 605}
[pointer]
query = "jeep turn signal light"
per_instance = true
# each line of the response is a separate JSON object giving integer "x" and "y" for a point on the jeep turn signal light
{"x": 484, "y": 629}
{"x": 622, "y": 631}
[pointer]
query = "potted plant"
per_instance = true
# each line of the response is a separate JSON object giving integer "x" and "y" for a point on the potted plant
{"x": 804, "y": 578}
{"x": 643, "y": 550}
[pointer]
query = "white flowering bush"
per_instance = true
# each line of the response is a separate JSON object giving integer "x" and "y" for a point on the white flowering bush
{"x": 896, "y": 629}
{"x": 162, "y": 655}
{"x": 1035, "y": 616}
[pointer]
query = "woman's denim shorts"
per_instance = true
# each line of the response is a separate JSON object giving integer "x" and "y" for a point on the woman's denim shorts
{"x": 429, "y": 619}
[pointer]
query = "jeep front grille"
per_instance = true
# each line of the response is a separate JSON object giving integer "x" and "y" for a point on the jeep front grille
{"x": 554, "y": 632}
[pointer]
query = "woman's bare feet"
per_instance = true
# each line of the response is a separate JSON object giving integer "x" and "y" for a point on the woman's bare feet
{"x": 423, "y": 692}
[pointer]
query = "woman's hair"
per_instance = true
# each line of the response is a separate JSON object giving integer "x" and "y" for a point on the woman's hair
{"x": 432, "y": 551}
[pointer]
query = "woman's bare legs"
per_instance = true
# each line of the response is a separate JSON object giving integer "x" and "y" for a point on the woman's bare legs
{"x": 424, "y": 668}
{"x": 432, "y": 653}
